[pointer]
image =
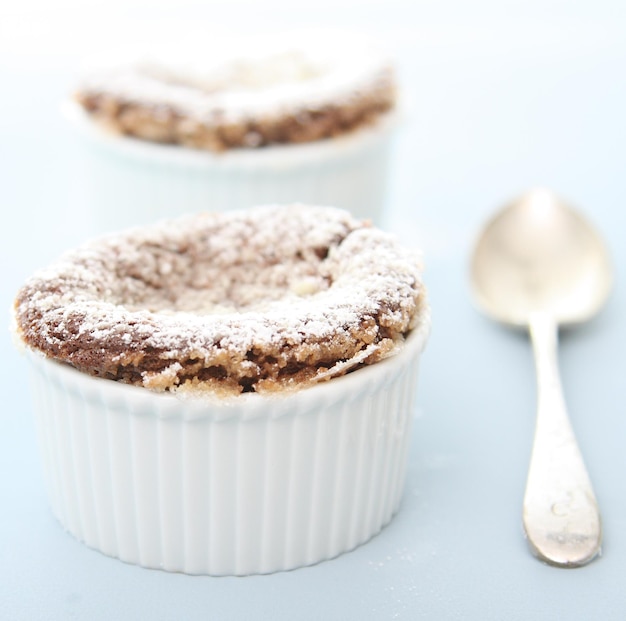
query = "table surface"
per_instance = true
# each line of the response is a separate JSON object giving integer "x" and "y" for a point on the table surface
{"x": 502, "y": 97}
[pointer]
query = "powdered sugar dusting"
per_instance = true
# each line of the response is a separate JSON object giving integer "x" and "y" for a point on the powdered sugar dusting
{"x": 242, "y": 77}
{"x": 250, "y": 300}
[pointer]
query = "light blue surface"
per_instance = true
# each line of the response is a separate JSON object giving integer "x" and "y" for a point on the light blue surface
{"x": 502, "y": 96}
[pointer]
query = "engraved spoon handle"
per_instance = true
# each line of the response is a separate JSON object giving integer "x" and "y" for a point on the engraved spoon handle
{"x": 560, "y": 515}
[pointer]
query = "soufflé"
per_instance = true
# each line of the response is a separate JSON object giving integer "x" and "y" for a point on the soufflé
{"x": 227, "y": 393}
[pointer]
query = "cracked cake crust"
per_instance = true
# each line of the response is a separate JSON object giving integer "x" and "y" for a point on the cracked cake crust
{"x": 259, "y": 300}
{"x": 302, "y": 90}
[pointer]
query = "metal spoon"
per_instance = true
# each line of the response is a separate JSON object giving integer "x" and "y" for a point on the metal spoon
{"x": 538, "y": 264}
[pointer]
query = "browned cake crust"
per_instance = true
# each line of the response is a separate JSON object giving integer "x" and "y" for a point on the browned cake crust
{"x": 264, "y": 299}
{"x": 303, "y": 90}
{"x": 168, "y": 124}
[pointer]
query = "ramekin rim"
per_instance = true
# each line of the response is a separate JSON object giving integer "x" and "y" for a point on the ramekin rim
{"x": 248, "y": 405}
{"x": 270, "y": 157}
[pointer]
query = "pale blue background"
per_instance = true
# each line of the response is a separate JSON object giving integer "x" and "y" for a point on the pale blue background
{"x": 502, "y": 96}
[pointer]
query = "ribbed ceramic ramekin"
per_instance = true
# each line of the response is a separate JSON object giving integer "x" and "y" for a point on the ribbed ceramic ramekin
{"x": 247, "y": 485}
{"x": 127, "y": 181}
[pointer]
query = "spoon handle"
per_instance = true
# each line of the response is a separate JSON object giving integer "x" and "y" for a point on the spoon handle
{"x": 560, "y": 516}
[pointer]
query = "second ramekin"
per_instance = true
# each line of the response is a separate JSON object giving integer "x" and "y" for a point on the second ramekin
{"x": 130, "y": 182}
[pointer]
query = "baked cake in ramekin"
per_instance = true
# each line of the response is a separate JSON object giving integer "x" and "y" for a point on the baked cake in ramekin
{"x": 304, "y": 117}
{"x": 227, "y": 393}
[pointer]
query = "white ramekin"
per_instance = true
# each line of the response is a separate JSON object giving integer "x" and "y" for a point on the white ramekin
{"x": 248, "y": 485}
{"x": 130, "y": 182}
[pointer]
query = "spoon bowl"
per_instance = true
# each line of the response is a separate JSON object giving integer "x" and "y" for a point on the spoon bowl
{"x": 540, "y": 256}
{"x": 538, "y": 264}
